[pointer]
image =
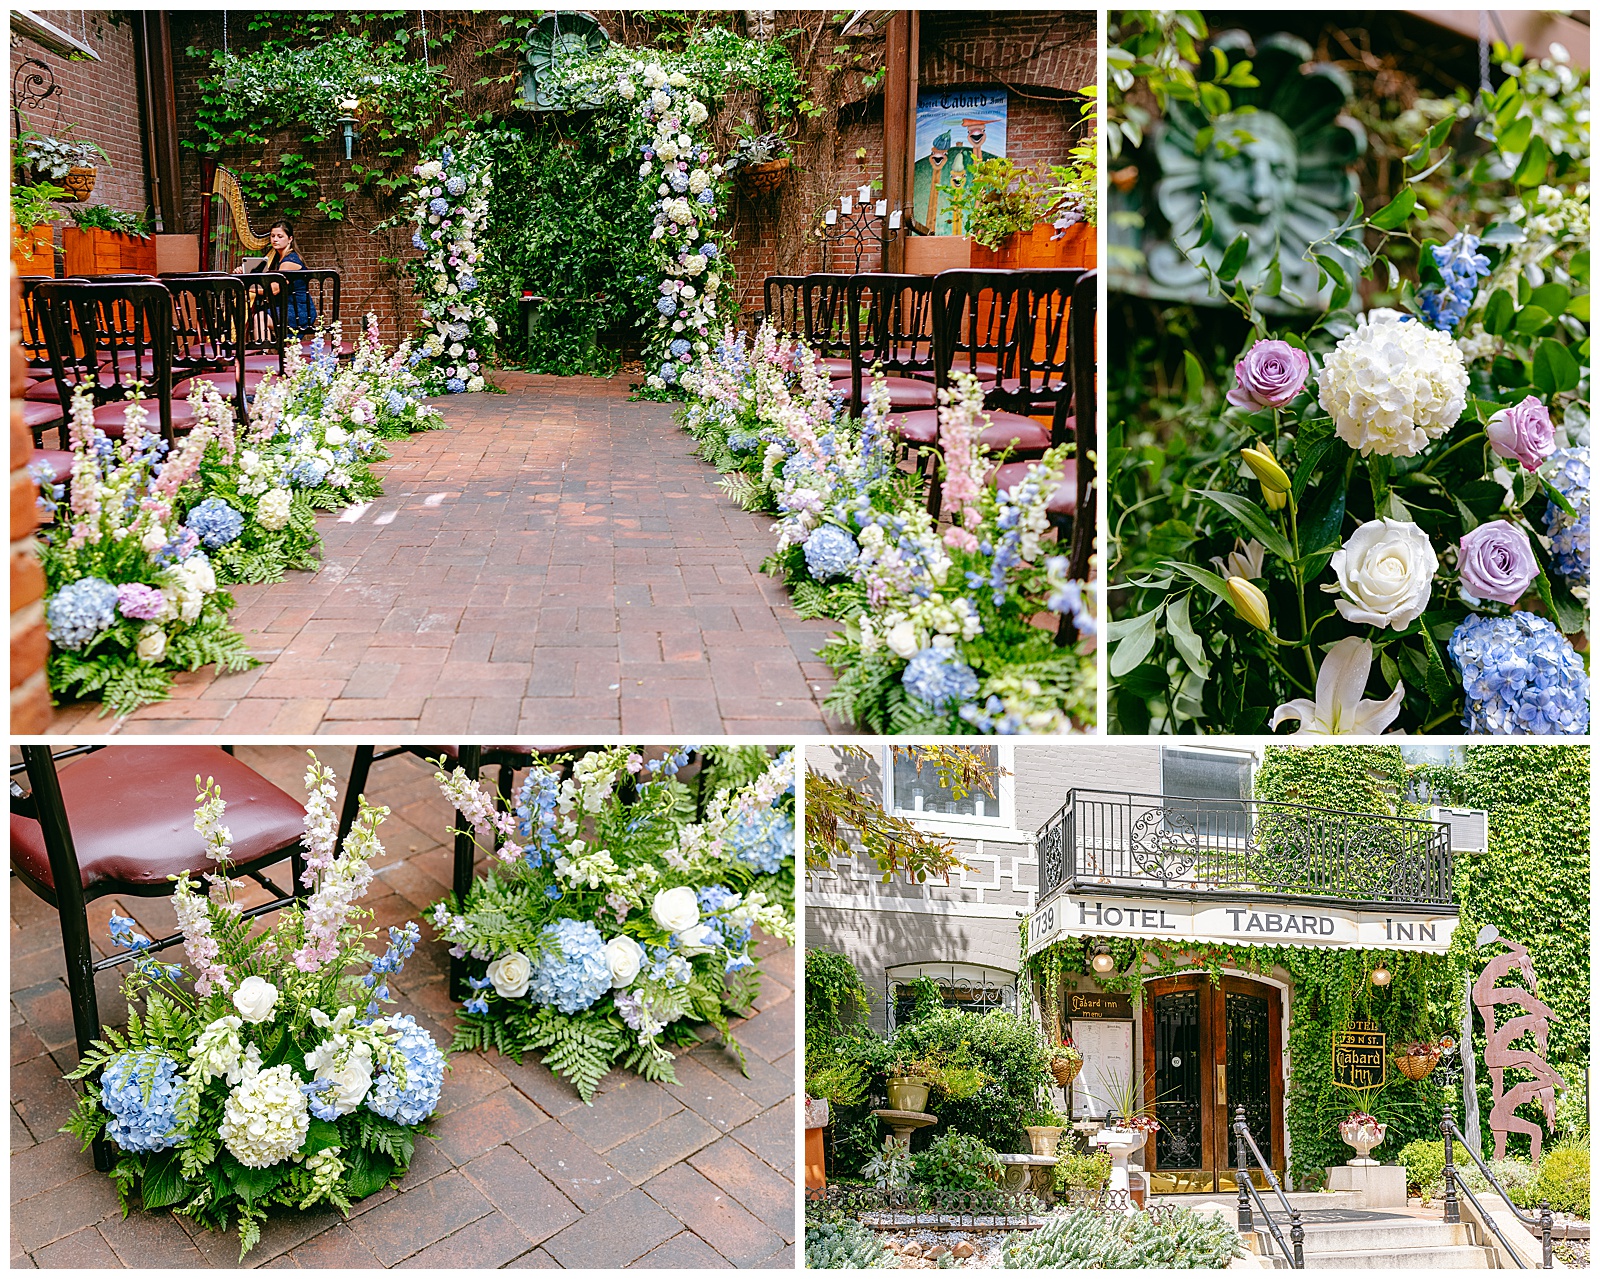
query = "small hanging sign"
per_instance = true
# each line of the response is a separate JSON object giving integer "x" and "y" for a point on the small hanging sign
{"x": 1098, "y": 1005}
{"x": 1359, "y": 1057}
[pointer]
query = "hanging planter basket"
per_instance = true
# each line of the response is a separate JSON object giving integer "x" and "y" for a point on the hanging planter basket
{"x": 764, "y": 178}
{"x": 79, "y": 183}
{"x": 1065, "y": 1070}
{"x": 1417, "y": 1065}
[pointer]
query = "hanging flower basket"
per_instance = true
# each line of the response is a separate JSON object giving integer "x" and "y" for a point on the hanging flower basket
{"x": 1417, "y": 1060}
{"x": 79, "y": 183}
{"x": 1066, "y": 1069}
{"x": 764, "y": 178}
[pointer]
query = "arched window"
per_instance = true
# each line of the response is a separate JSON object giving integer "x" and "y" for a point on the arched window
{"x": 972, "y": 988}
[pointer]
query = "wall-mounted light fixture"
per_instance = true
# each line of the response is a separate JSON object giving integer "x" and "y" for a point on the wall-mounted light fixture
{"x": 1381, "y": 976}
{"x": 349, "y": 126}
{"x": 1102, "y": 961}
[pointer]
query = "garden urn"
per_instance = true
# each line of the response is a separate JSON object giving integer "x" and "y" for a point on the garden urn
{"x": 906, "y": 1093}
{"x": 1363, "y": 1136}
{"x": 1044, "y": 1139}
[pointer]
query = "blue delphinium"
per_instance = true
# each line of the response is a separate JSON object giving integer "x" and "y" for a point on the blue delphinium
{"x": 424, "y": 1076}
{"x": 536, "y": 807}
{"x": 992, "y": 717}
{"x": 574, "y": 972}
{"x": 317, "y": 1100}
{"x": 1520, "y": 676}
{"x": 938, "y": 677}
{"x": 402, "y": 942}
{"x": 139, "y": 1122}
{"x": 215, "y": 522}
{"x": 121, "y": 930}
{"x": 830, "y": 552}
{"x": 478, "y": 1003}
{"x": 417, "y": 242}
{"x": 1460, "y": 264}
{"x": 761, "y": 841}
{"x": 81, "y": 610}
{"x": 1568, "y": 473}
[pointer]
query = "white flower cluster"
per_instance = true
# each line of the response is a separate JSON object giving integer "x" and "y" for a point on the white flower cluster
{"x": 450, "y": 208}
{"x": 1393, "y": 386}
{"x": 931, "y": 622}
{"x": 265, "y": 1119}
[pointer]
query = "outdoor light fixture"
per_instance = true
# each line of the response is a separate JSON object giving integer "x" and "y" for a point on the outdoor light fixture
{"x": 1381, "y": 976}
{"x": 347, "y": 124}
{"x": 1103, "y": 963}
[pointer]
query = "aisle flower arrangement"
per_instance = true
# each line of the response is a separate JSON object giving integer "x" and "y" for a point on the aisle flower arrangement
{"x": 449, "y": 209}
{"x": 611, "y": 920}
{"x": 1399, "y": 540}
{"x": 264, "y": 1072}
{"x": 131, "y": 595}
{"x": 939, "y": 633}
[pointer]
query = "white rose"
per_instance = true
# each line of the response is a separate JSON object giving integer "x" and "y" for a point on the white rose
{"x": 152, "y": 646}
{"x": 249, "y": 461}
{"x": 902, "y": 640}
{"x": 475, "y": 383}
{"x": 351, "y": 1081}
{"x": 625, "y": 956}
{"x": 336, "y": 435}
{"x": 255, "y": 999}
{"x": 675, "y": 909}
{"x": 1385, "y": 573}
{"x": 510, "y": 975}
{"x": 685, "y": 142}
{"x": 492, "y": 324}
{"x": 697, "y": 940}
{"x": 644, "y": 169}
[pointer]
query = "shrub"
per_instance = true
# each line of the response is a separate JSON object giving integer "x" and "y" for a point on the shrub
{"x": 889, "y": 1168}
{"x": 1563, "y": 1179}
{"x": 956, "y": 1161}
{"x": 1080, "y": 1178}
{"x": 842, "y": 1083}
{"x": 1085, "y": 1240}
{"x": 846, "y": 1245}
{"x": 1515, "y": 1175}
{"x": 1006, "y": 1049}
{"x": 1424, "y": 1163}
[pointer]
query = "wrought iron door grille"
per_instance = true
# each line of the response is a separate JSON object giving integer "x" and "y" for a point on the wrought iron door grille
{"x": 1115, "y": 839}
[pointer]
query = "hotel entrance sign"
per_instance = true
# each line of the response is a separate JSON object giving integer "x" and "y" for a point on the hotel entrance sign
{"x": 1359, "y": 1057}
{"x": 1237, "y": 920}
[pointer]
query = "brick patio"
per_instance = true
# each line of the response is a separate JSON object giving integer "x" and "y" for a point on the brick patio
{"x": 555, "y": 561}
{"x": 522, "y": 1174}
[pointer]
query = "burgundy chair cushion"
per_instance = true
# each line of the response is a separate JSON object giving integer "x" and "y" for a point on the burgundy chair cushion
{"x": 1012, "y": 385}
{"x": 348, "y": 348}
{"x": 904, "y": 392}
{"x": 111, "y": 417}
{"x": 835, "y": 366}
{"x": 226, "y": 383}
{"x": 1063, "y": 502}
{"x": 261, "y": 362}
{"x": 58, "y": 460}
{"x": 42, "y": 392}
{"x": 1011, "y": 430}
{"x": 131, "y": 812}
{"x": 38, "y": 413}
{"x": 919, "y": 427}
{"x": 984, "y": 366}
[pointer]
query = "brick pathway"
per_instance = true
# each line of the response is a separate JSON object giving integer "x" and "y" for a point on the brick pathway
{"x": 556, "y": 560}
{"x": 522, "y": 1174}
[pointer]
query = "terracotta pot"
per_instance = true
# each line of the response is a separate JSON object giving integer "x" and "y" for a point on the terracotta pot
{"x": 1044, "y": 1139}
{"x": 1065, "y": 1070}
{"x": 96, "y": 251}
{"x": 1416, "y": 1065}
{"x": 79, "y": 183}
{"x": 33, "y": 250}
{"x": 763, "y": 178}
{"x": 1040, "y": 247}
{"x": 908, "y": 1094}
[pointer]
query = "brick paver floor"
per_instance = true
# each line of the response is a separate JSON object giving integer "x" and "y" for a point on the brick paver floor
{"x": 556, "y": 560}
{"x": 523, "y": 1174}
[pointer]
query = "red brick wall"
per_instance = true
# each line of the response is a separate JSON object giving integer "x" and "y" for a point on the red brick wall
{"x": 100, "y": 98}
{"x": 30, "y": 699}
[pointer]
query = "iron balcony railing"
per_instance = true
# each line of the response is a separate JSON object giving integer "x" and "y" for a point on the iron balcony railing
{"x": 1114, "y": 838}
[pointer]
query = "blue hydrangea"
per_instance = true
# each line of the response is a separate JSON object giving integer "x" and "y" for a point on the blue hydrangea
{"x": 1520, "y": 676}
{"x": 424, "y": 1076}
{"x": 459, "y": 331}
{"x": 761, "y": 840}
{"x": 830, "y": 552}
{"x": 308, "y": 473}
{"x": 455, "y": 186}
{"x": 417, "y": 242}
{"x": 215, "y": 523}
{"x": 439, "y": 205}
{"x": 1460, "y": 264}
{"x": 679, "y": 347}
{"x": 454, "y": 385}
{"x": 938, "y": 677}
{"x": 668, "y": 372}
{"x": 743, "y": 442}
{"x": 679, "y": 182}
{"x": 706, "y": 197}
{"x": 1568, "y": 473}
{"x": 81, "y": 610}
{"x": 667, "y": 306}
{"x": 709, "y": 250}
{"x": 574, "y": 972}
{"x": 137, "y": 1122}
{"x": 717, "y": 897}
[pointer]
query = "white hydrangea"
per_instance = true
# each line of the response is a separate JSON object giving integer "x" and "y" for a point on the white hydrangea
{"x": 265, "y": 1119}
{"x": 667, "y": 149}
{"x": 699, "y": 180}
{"x": 679, "y": 211}
{"x": 272, "y": 511}
{"x": 1393, "y": 386}
{"x": 696, "y": 112}
{"x": 659, "y": 101}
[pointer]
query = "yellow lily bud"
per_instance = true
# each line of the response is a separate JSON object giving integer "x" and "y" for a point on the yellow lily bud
{"x": 1250, "y": 602}
{"x": 1272, "y": 476}
{"x": 1275, "y": 498}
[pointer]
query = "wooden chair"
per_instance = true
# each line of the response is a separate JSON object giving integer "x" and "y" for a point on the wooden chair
{"x": 780, "y": 302}
{"x": 41, "y": 401}
{"x": 324, "y": 286}
{"x": 826, "y": 329}
{"x": 120, "y": 821}
{"x": 208, "y": 336}
{"x": 890, "y": 322}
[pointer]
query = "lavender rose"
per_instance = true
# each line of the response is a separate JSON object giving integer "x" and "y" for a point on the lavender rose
{"x": 1496, "y": 562}
{"x": 1270, "y": 375}
{"x": 1523, "y": 431}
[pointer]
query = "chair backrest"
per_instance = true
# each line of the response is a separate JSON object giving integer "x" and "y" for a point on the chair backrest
{"x": 42, "y": 805}
{"x": 890, "y": 319}
{"x": 1044, "y": 360}
{"x": 780, "y": 302}
{"x": 323, "y": 285}
{"x": 823, "y": 322}
{"x": 31, "y": 336}
{"x": 267, "y": 313}
{"x": 208, "y": 327}
{"x": 978, "y": 324}
{"x": 114, "y": 337}
{"x": 1085, "y": 403}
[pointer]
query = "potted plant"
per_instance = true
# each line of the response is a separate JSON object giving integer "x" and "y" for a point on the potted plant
{"x": 66, "y": 160}
{"x": 1125, "y": 1112}
{"x": 1044, "y": 1127}
{"x": 909, "y": 1083}
{"x": 1363, "y": 1132}
{"x": 106, "y": 241}
{"x": 758, "y": 161}
{"x": 32, "y": 237}
{"x": 1417, "y": 1059}
{"x": 1065, "y": 1062}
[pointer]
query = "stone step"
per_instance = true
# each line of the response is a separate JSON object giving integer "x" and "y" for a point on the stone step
{"x": 1383, "y": 1236}
{"x": 1465, "y": 1257}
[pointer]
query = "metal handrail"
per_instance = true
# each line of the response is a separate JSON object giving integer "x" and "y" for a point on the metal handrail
{"x": 1247, "y": 1190}
{"x": 1452, "y": 1208}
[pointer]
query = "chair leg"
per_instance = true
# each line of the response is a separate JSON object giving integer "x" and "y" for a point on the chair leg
{"x": 85, "y": 1006}
{"x": 360, "y": 767}
{"x": 935, "y": 491}
{"x": 508, "y": 778}
{"x": 470, "y": 759}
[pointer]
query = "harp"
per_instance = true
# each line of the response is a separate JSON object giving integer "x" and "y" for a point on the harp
{"x": 226, "y": 236}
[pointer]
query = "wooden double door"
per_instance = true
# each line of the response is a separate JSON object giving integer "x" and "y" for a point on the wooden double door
{"x": 1207, "y": 1051}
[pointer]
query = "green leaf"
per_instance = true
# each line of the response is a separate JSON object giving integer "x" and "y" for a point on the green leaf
{"x": 1183, "y": 637}
{"x": 1438, "y": 686}
{"x": 1394, "y": 214}
{"x": 1500, "y": 313}
{"x": 1234, "y": 257}
{"x": 1138, "y": 637}
{"x": 1531, "y": 319}
{"x": 251, "y": 1184}
{"x": 1254, "y": 519}
{"x": 1514, "y": 137}
{"x": 1557, "y": 496}
{"x": 1194, "y": 379}
{"x": 162, "y": 1184}
{"x": 1553, "y": 297}
{"x": 322, "y": 1135}
{"x": 1535, "y": 160}
{"x": 1211, "y": 581}
{"x": 1554, "y": 369}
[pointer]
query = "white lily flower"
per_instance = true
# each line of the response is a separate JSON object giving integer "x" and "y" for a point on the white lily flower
{"x": 1245, "y": 560}
{"x": 1340, "y": 709}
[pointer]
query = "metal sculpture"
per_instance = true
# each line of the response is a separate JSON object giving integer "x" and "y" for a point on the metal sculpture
{"x": 1498, "y": 1054}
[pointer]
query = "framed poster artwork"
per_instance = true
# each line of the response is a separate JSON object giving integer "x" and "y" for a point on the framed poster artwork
{"x": 957, "y": 127}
